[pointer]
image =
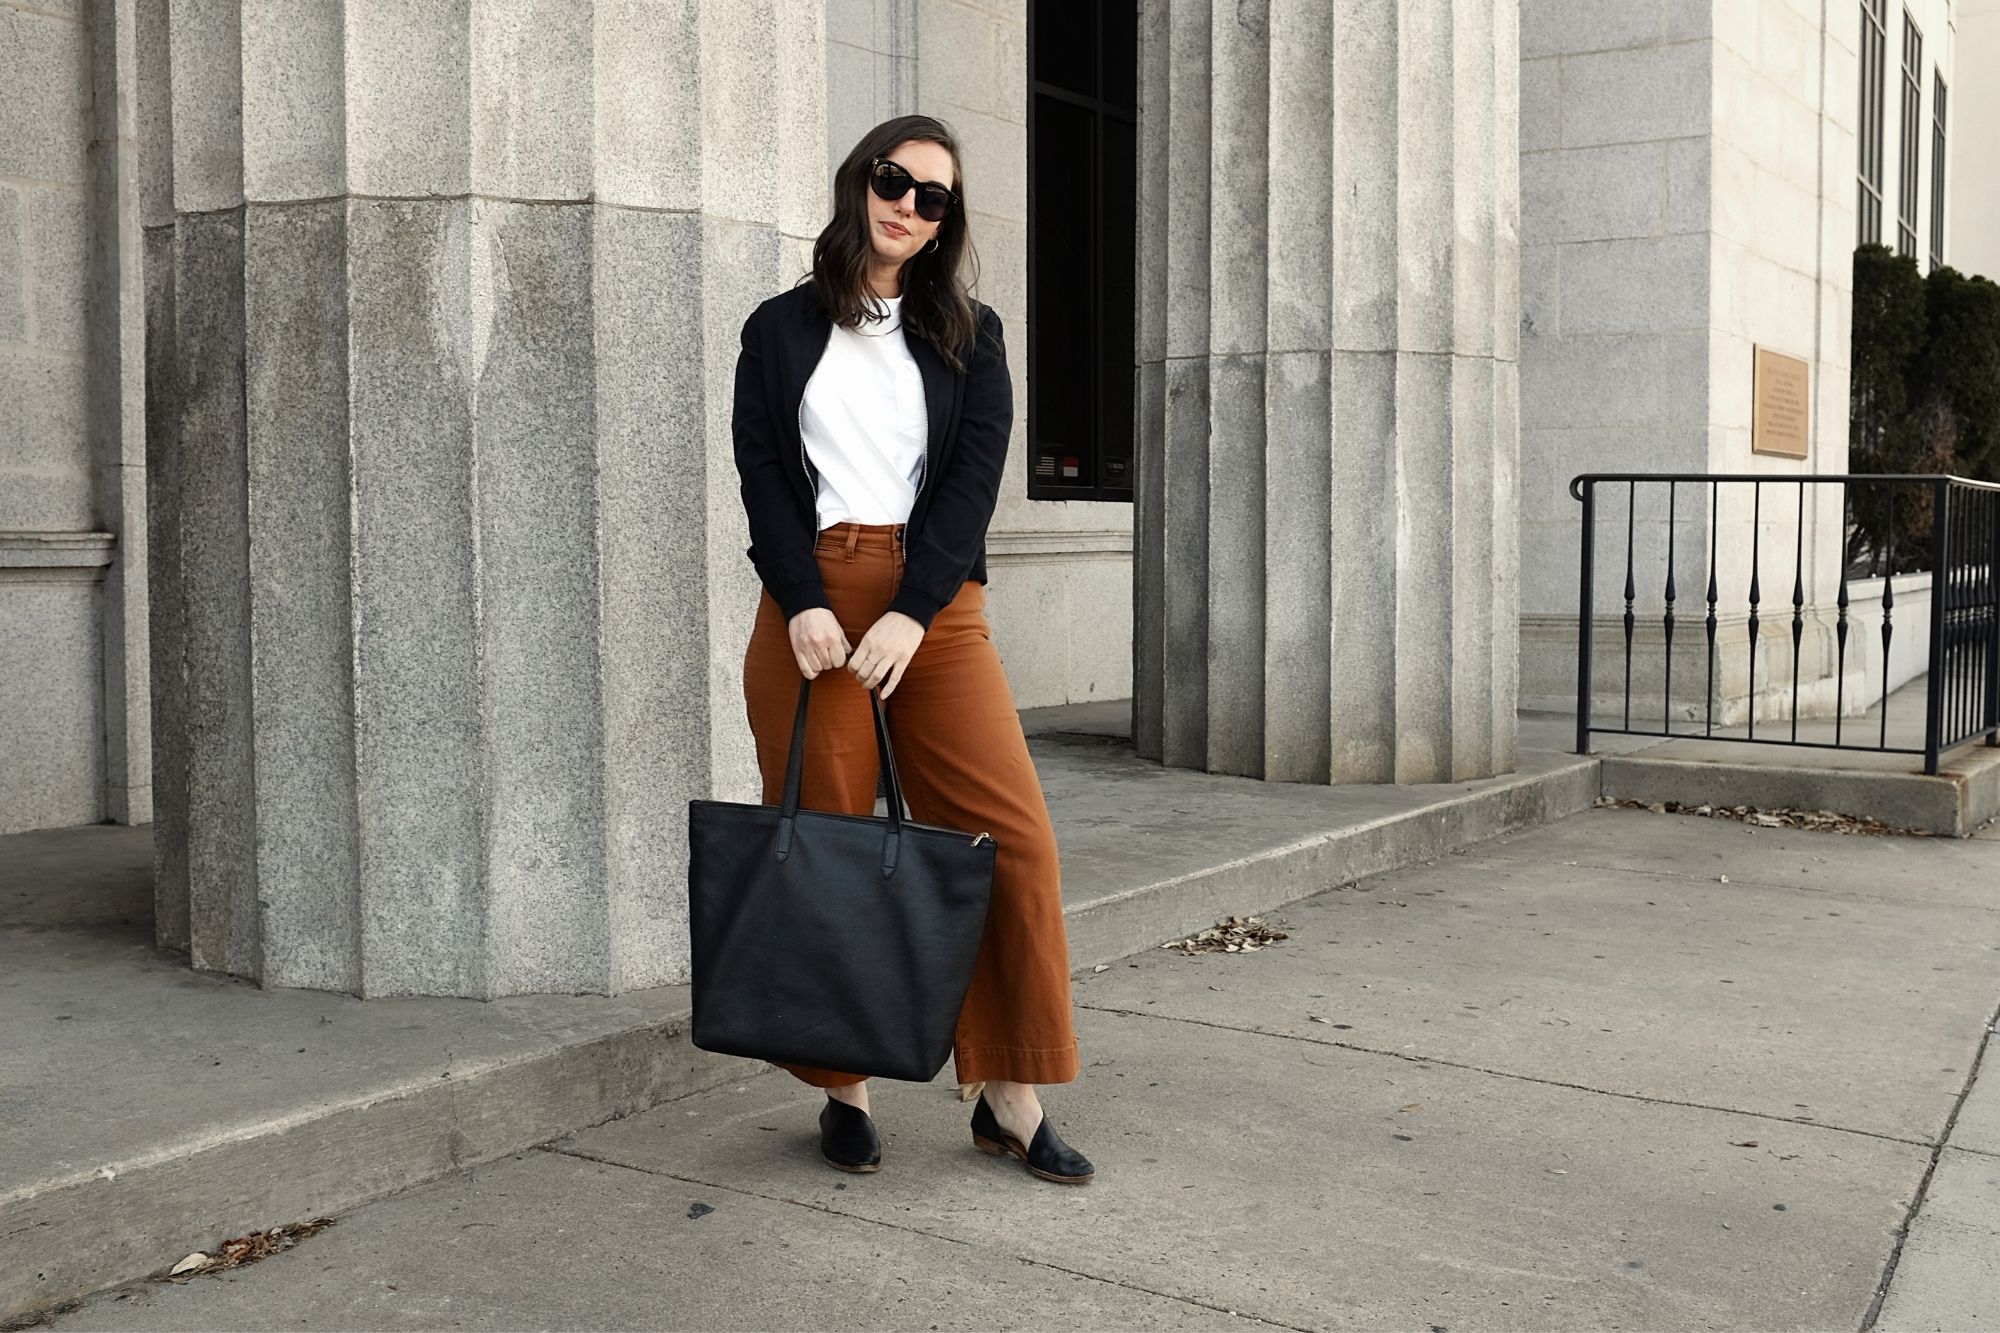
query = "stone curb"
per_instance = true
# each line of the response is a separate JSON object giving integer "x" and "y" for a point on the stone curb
{"x": 66, "y": 1239}
{"x": 1141, "y": 918}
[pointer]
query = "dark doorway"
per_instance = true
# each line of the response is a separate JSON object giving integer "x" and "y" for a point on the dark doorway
{"x": 1083, "y": 164}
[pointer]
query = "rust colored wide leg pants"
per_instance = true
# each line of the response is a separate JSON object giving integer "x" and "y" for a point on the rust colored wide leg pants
{"x": 964, "y": 764}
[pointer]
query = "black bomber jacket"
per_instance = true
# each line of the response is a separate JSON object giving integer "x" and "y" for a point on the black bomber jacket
{"x": 971, "y": 415}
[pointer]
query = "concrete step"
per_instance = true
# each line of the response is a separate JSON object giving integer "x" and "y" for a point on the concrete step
{"x": 168, "y": 1110}
{"x": 1727, "y": 767}
{"x": 1962, "y": 797}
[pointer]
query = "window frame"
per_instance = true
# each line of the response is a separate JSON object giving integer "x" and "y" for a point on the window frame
{"x": 1100, "y": 110}
{"x": 1938, "y": 159}
{"x": 1874, "y": 56}
{"x": 1910, "y": 168}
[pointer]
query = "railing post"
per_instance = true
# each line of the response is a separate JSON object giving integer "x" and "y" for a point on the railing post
{"x": 1940, "y": 583}
{"x": 1585, "y": 579}
{"x": 1992, "y": 718}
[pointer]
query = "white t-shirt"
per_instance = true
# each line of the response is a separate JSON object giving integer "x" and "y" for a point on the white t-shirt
{"x": 864, "y": 423}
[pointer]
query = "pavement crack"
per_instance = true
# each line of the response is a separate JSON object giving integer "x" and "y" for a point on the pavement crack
{"x": 1930, "y": 1170}
{"x": 916, "y": 1231}
{"x": 1440, "y": 1062}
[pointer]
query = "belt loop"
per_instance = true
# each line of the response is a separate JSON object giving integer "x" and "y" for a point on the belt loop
{"x": 853, "y": 540}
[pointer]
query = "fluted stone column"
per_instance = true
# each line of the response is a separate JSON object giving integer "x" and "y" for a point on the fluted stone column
{"x": 456, "y": 596}
{"x": 1326, "y": 570}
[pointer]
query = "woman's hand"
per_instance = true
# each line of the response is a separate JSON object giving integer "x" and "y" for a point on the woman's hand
{"x": 885, "y": 652}
{"x": 818, "y": 641}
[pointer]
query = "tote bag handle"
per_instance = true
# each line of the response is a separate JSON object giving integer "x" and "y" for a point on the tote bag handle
{"x": 892, "y": 835}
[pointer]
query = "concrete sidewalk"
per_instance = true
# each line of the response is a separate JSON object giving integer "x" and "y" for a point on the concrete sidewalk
{"x": 1624, "y": 1071}
{"x": 169, "y": 1109}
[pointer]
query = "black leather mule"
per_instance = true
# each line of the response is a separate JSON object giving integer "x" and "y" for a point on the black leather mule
{"x": 1046, "y": 1155}
{"x": 847, "y": 1138}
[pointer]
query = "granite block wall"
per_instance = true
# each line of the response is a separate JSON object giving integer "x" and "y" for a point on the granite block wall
{"x": 74, "y": 729}
{"x": 1688, "y": 186}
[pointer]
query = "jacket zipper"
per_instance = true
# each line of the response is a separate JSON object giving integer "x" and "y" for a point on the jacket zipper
{"x": 923, "y": 469}
{"x": 812, "y": 483}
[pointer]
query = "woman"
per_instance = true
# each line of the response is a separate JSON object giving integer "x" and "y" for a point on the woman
{"x": 872, "y": 411}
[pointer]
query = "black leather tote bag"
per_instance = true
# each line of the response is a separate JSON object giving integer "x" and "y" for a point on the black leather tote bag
{"x": 844, "y": 942}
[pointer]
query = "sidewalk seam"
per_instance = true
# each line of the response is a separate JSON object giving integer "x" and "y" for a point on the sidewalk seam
{"x": 1993, "y": 1153}
{"x": 1524, "y": 1078}
{"x": 1923, "y": 1189}
{"x": 916, "y": 1231}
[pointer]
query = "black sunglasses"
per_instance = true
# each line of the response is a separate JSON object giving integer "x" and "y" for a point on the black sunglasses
{"x": 892, "y": 182}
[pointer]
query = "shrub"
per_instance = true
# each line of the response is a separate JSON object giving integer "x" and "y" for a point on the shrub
{"x": 1924, "y": 397}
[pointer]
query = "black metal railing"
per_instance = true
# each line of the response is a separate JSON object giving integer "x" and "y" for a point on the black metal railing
{"x": 1890, "y": 526}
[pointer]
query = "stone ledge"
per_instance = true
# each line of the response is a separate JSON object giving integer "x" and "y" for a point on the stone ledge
{"x": 1018, "y": 547}
{"x": 55, "y": 557}
{"x": 57, "y": 550}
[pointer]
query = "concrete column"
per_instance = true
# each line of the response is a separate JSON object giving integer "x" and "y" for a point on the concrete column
{"x": 166, "y": 630}
{"x": 1326, "y": 570}
{"x": 458, "y": 588}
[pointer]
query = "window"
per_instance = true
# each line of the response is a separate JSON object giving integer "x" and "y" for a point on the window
{"x": 1874, "y": 40}
{"x": 1912, "y": 137}
{"x": 1937, "y": 169}
{"x": 1083, "y": 179}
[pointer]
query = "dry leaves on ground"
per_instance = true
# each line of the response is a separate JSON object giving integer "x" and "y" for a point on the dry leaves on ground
{"x": 246, "y": 1249}
{"x": 1239, "y": 934}
{"x": 1819, "y": 821}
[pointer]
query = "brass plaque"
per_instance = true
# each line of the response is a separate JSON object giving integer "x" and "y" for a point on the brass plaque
{"x": 1780, "y": 409}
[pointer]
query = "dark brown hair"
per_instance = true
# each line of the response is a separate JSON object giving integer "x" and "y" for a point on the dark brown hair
{"x": 936, "y": 305}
